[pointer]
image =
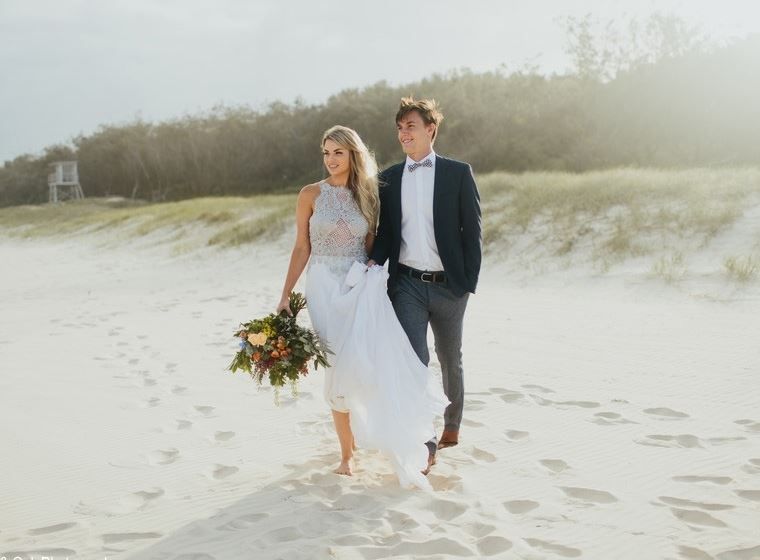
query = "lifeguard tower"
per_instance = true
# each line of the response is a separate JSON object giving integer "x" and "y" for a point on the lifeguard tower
{"x": 64, "y": 182}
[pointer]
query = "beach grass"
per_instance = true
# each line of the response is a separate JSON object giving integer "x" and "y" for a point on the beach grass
{"x": 742, "y": 268}
{"x": 618, "y": 213}
{"x": 612, "y": 215}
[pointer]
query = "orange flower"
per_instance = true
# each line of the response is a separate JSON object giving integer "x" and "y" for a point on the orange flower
{"x": 256, "y": 356}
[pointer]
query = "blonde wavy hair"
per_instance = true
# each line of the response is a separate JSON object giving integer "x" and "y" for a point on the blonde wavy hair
{"x": 362, "y": 174}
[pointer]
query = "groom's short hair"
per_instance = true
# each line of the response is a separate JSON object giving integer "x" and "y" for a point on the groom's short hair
{"x": 427, "y": 108}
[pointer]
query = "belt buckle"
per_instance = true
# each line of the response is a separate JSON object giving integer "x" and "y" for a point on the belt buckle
{"x": 422, "y": 276}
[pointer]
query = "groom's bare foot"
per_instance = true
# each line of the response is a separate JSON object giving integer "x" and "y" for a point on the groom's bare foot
{"x": 449, "y": 438}
{"x": 344, "y": 468}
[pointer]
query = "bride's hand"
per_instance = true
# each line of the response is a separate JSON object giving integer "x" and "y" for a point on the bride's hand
{"x": 284, "y": 305}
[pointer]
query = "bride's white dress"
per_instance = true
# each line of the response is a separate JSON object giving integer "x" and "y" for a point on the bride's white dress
{"x": 374, "y": 373}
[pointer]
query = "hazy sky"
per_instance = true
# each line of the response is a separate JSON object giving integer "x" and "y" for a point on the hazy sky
{"x": 67, "y": 66}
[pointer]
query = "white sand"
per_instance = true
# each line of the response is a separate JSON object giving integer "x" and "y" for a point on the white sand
{"x": 607, "y": 417}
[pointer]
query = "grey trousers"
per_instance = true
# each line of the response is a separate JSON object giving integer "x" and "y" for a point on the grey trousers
{"x": 418, "y": 304}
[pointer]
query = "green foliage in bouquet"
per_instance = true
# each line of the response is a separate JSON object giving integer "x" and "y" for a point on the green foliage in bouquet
{"x": 276, "y": 347}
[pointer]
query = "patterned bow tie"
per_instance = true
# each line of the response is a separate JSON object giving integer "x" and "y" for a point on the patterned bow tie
{"x": 425, "y": 163}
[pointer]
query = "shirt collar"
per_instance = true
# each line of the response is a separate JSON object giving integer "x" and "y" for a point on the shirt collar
{"x": 430, "y": 156}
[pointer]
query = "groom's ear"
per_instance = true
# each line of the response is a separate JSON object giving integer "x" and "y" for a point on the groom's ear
{"x": 433, "y": 129}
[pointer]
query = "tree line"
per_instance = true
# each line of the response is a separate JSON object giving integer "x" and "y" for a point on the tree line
{"x": 652, "y": 93}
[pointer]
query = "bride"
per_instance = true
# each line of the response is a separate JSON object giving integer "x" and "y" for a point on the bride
{"x": 381, "y": 395}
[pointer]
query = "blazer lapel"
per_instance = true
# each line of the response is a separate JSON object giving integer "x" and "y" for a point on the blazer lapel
{"x": 395, "y": 185}
{"x": 438, "y": 186}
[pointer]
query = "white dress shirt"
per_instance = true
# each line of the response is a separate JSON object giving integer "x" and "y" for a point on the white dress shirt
{"x": 418, "y": 247}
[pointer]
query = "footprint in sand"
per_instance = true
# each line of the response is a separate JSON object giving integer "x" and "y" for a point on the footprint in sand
{"x": 206, "y": 411}
{"x": 447, "y": 510}
{"x": 472, "y": 423}
{"x": 511, "y": 396}
{"x": 546, "y": 546}
{"x": 493, "y": 545}
{"x": 136, "y": 501}
{"x": 691, "y": 553}
{"x": 664, "y": 412}
{"x": 749, "y": 425}
{"x": 400, "y": 521}
{"x": 610, "y": 418}
{"x": 219, "y": 472}
{"x": 520, "y": 506}
{"x": 194, "y": 556}
{"x": 243, "y": 523}
{"x": 477, "y": 530}
{"x": 115, "y": 538}
{"x": 52, "y": 528}
{"x": 720, "y": 480}
{"x": 224, "y": 436}
{"x": 408, "y": 549}
{"x": 660, "y": 440}
{"x": 483, "y": 455}
{"x": 506, "y": 395}
{"x": 694, "y": 517}
{"x": 752, "y": 466}
{"x": 516, "y": 435}
{"x": 562, "y": 404}
{"x": 170, "y": 367}
{"x": 752, "y": 495}
{"x": 152, "y": 402}
{"x": 355, "y": 539}
{"x": 134, "y": 361}
{"x": 149, "y": 382}
{"x": 724, "y": 440}
{"x": 183, "y": 424}
{"x": 554, "y": 465}
{"x": 39, "y": 553}
{"x": 740, "y": 554}
{"x": 162, "y": 456}
{"x": 538, "y": 388}
{"x": 681, "y": 502}
{"x": 589, "y": 495}
{"x": 581, "y": 404}
{"x": 179, "y": 390}
{"x": 282, "y": 535}
{"x": 441, "y": 483}
{"x": 474, "y": 404}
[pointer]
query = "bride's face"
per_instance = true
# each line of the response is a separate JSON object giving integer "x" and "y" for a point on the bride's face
{"x": 336, "y": 158}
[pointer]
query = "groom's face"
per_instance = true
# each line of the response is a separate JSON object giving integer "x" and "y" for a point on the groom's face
{"x": 415, "y": 137}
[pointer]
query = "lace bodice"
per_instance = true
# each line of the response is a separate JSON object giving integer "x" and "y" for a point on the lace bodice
{"x": 337, "y": 229}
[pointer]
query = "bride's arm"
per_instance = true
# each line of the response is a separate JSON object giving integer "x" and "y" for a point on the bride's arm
{"x": 302, "y": 248}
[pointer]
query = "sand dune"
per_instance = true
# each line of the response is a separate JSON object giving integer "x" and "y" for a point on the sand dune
{"x": 607, "y": 416}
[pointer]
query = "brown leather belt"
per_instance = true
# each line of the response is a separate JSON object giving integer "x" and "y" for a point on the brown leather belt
{"x": 438, "y": 277}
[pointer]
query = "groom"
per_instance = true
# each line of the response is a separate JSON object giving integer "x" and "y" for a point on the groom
{"x": 429, "y": 231}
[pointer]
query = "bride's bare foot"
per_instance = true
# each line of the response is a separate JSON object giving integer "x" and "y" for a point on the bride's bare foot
{"x": 344, "y": 468}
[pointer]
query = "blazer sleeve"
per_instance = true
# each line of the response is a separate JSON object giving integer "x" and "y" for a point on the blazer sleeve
{"x": 470, "y": 220}
{"x": 381, "y": 247}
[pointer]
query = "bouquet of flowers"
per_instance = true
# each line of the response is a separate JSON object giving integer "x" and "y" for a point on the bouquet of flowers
{"x": 278, "y": 348}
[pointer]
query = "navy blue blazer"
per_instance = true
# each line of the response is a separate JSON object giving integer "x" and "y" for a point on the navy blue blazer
{"x": 456, "y": 220}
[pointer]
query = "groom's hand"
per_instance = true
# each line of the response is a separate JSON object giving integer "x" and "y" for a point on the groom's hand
{"x": 371, "y": 263}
